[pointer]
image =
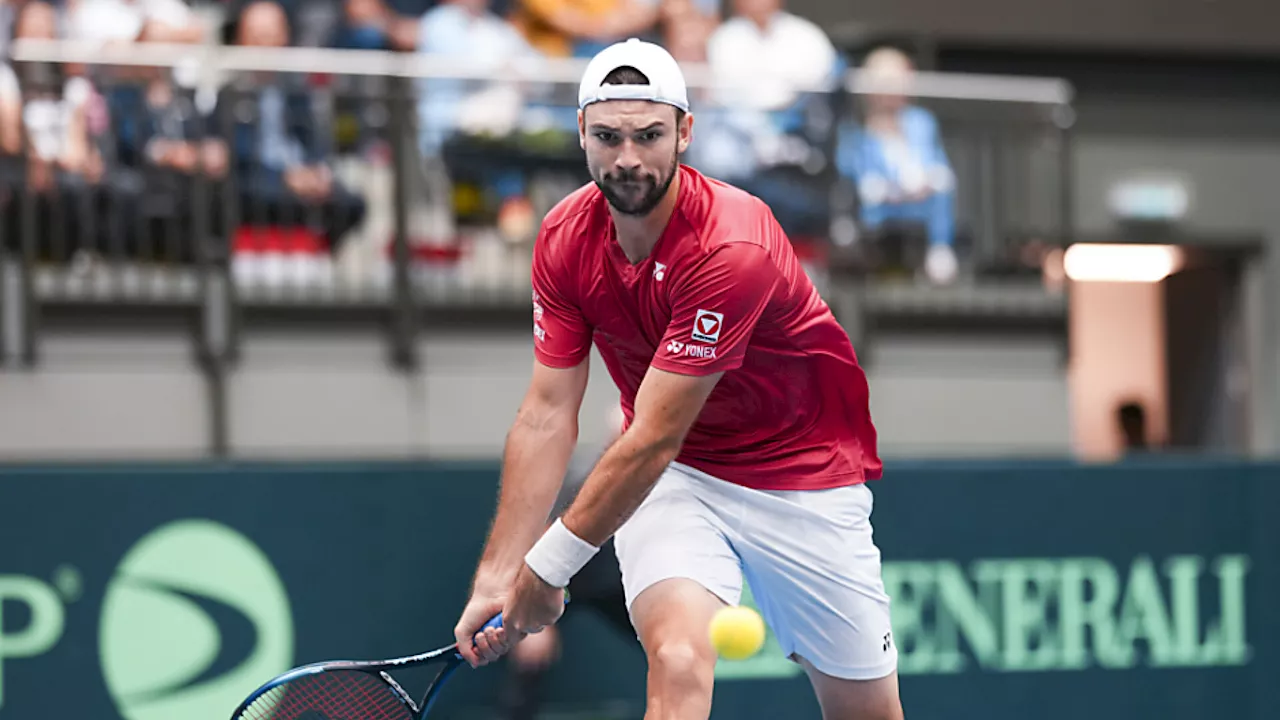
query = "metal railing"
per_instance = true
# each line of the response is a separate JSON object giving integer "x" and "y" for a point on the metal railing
{"x": 227, "y": 237}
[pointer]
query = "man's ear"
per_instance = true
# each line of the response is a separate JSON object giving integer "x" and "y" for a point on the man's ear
{"x": 684, "y": 133}
{"x": 582, "y": 131}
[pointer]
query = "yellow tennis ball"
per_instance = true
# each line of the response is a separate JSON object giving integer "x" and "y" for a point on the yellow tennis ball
{"x": 737, "y": 633}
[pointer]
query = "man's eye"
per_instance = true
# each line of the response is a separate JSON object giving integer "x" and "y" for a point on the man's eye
{"x": 606, "y": 137}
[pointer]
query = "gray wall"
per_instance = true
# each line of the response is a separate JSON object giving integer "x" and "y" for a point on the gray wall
{"x": 953, "y": 397}
{"x": 109, "y": 395}
{"x": 1231, "y": 26}
{"x": 332, "y": 395}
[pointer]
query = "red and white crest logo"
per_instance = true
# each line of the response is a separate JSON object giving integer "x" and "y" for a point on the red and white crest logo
{"x": 706, "y": 326}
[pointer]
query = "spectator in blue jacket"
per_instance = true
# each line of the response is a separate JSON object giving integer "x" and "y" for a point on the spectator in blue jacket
{"x": 897, "y": 159}
{"x": 280, "y": 142}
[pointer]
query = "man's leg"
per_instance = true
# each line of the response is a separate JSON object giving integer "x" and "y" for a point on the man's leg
{"x": 855, "y": 699}
{"x": 530, "y": 661}
{"x": 677, "y": 570}
{"x": 672, "y": 618}
{"x": 814, "y": 569}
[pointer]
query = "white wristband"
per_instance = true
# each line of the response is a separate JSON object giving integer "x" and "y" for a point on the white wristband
{"x": 559, "y": 555}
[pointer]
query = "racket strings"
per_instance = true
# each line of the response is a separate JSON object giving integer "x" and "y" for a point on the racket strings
{"x": 334, "y": 695}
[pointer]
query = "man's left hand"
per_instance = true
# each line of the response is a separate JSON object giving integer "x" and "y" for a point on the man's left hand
{"x": 532, "y": 606}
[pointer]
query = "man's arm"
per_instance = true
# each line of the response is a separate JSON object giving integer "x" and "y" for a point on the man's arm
{"x": 667, "y": 405}
{"x": 535, "y": 460}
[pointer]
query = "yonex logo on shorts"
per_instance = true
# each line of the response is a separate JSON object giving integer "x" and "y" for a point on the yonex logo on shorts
{"x": 706, "y": 326}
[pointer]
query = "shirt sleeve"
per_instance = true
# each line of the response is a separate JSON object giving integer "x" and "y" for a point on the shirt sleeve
{"x": 561, "y": 335}
{"x": 716, "y": 311}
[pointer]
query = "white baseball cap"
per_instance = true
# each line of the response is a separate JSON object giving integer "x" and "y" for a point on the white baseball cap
{"x": 666, "y": 81}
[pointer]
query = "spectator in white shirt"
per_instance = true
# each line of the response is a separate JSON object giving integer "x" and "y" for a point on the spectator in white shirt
{"x": 766, "y": 63}
{"x": 168, "y": 21}
{"x": 470, "y": 33}
{"x": 55, "y": 106}
{"x": 765, "y": 56}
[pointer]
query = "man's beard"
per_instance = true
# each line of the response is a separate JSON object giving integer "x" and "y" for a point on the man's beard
{"x": 629, "y": 204}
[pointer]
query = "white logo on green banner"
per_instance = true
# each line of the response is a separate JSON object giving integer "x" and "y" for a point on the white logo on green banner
{"x": 194, "y": 619}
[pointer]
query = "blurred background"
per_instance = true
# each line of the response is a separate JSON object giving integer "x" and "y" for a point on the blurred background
{"x": 265, "y": 321}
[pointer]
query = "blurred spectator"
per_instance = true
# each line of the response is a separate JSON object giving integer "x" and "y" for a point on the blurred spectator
{"x": 703, "y": 14}
{"x": 467, "y": 31}
{"x": 55, "y": 110}
{"x": 764, "y": 55}
{"x": 1132, "y": 419}
{"x": 160, "y": 145}
{"x": 10, "y": 112}
{"x": 158, "y": 126}
{"x": 758, "y": 131}
{"x": 279, "y": 144}
{"x": 8, "y": 17}
{"x": 564, "y": 28}
{"x": 45, "y": 123}
{"x": 382, "y": 24}
{"x": 686, "y": 27}
{"x": 899, "y": 164}
{"x": 146, "y": 132}
{"x": 164, "y": 21}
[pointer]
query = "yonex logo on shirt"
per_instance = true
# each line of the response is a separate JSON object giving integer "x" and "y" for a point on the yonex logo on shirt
{"x": 706, "y": 326}
{"x": 675, "y": 347}
{"x": 658, "y": 271}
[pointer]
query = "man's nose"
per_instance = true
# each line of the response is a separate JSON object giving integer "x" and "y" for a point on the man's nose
{"x": 628, "y": 157}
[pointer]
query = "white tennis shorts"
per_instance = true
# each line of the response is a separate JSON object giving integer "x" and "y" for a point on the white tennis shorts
{"x": 808, "y": 555}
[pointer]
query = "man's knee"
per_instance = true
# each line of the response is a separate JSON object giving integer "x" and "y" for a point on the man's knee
{"x": 681, "y": 676}
{"x": 683, "y": 662}
{"x": 672, "y": 617}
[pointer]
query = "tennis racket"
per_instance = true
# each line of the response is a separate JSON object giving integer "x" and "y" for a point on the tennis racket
{"x": 351, "y": 690}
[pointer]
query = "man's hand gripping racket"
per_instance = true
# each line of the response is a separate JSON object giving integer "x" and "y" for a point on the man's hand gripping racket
{"x": 352, "y": 690}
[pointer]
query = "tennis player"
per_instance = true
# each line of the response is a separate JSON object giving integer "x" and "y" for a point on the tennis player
{"x": 748, "y": 439}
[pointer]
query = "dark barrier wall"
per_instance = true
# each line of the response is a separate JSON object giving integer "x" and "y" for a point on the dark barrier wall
{"x": 1020, "y": 591}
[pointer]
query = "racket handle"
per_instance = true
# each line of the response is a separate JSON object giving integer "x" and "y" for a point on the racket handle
{"x": 496, "y": 621}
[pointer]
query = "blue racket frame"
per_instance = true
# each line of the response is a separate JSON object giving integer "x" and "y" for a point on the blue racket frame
{"x": 449, "y": 655}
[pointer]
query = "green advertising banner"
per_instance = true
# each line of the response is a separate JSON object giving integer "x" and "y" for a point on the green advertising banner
{"x": 1043, "y": 591}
